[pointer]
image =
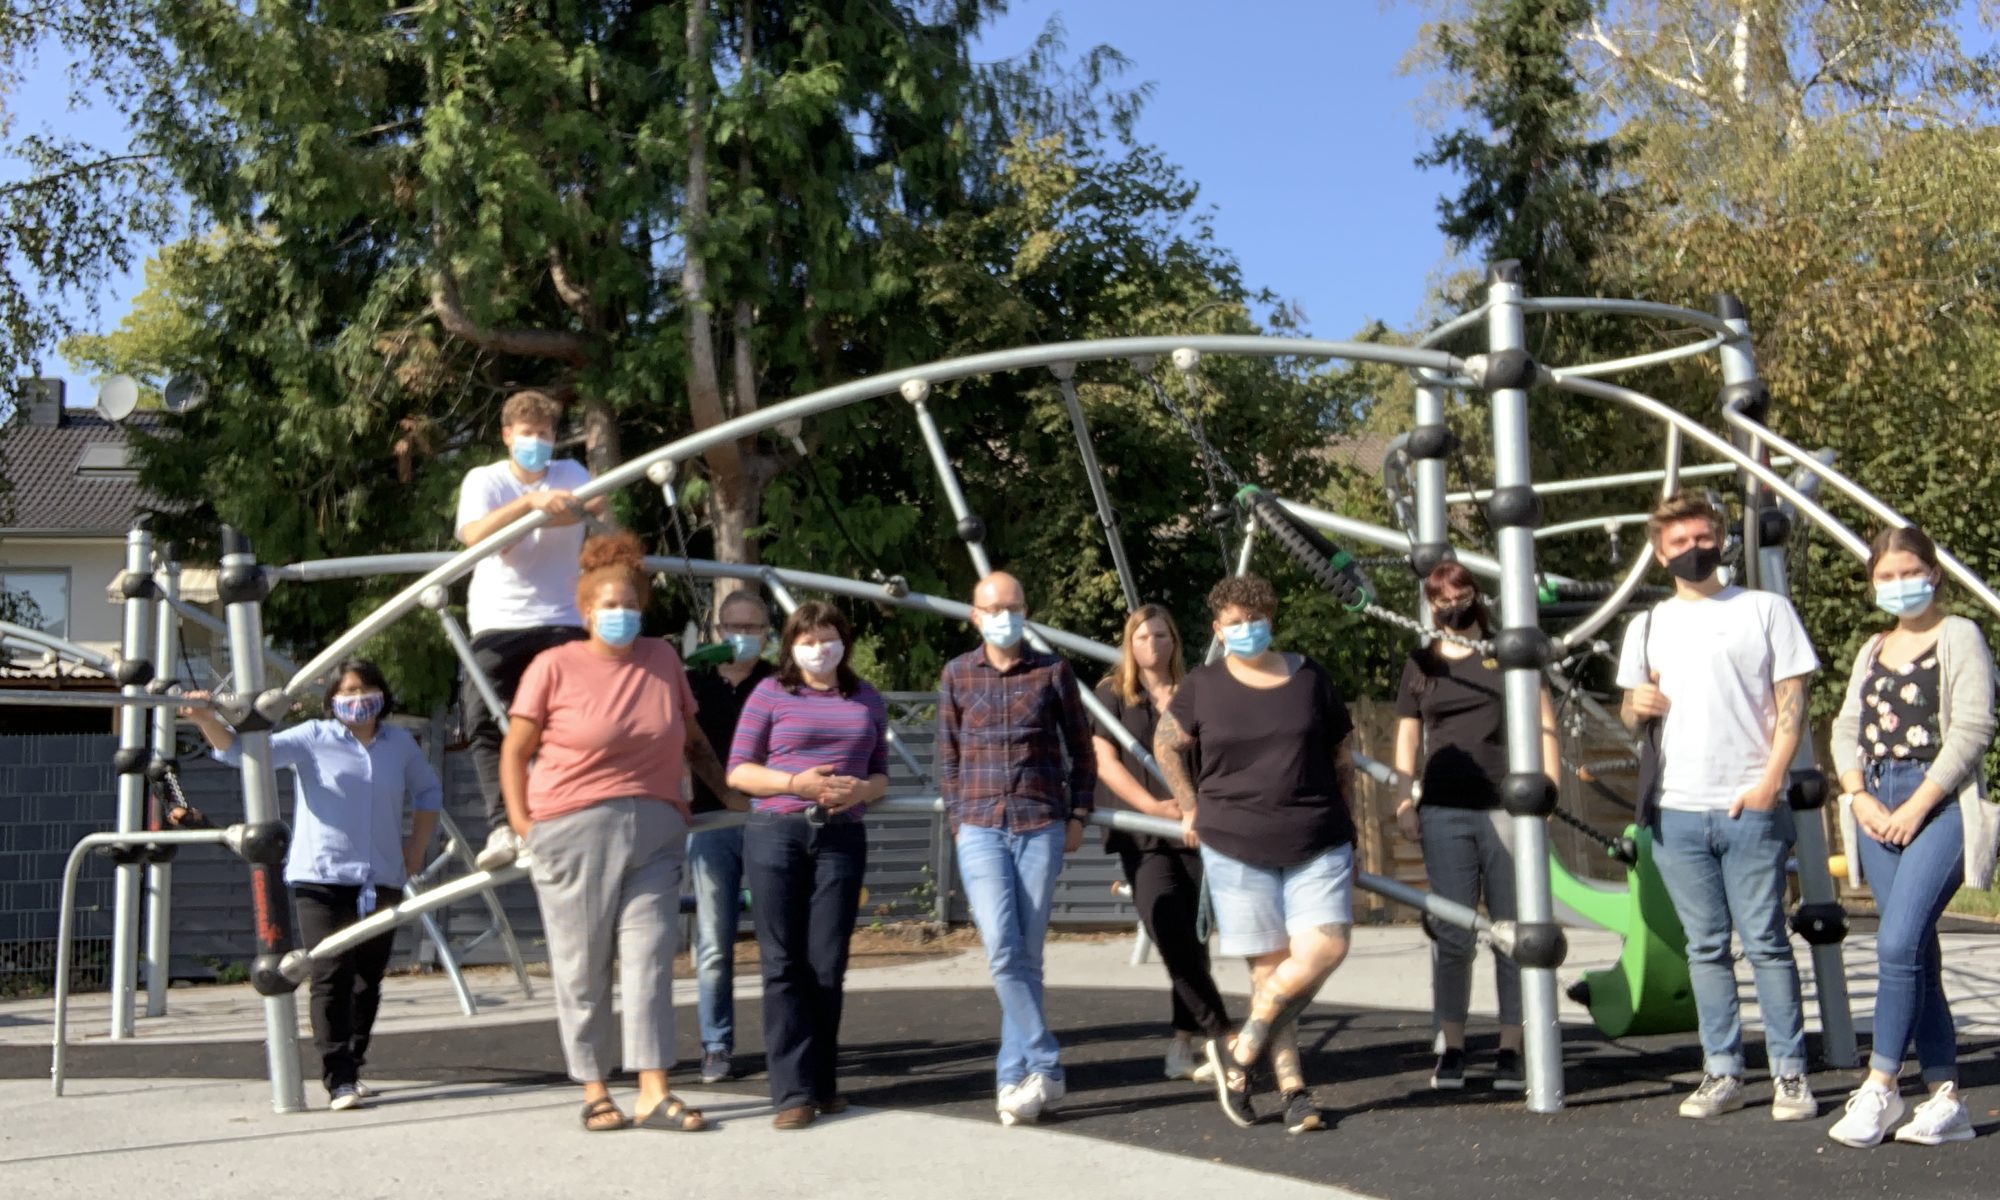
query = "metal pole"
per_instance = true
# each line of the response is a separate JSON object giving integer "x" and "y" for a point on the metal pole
{"x": 66, "y": 915}
{"x": 134, "y": 672}
{"x": 1522, "y": 650}
{"x": 160, "y": 875}
{"x": 1107, "y": 516}
{"x": 1817, "y": 893}
{"x": 1433, "y": 523}
{"x": 241, "y": 587}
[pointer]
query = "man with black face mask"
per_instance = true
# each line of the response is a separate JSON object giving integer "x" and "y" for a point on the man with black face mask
{"x": 1719, "y": 674}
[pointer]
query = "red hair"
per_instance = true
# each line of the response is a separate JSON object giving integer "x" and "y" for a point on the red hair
{"x": 1452, "y": 576}
{"x": 611, "y": 558}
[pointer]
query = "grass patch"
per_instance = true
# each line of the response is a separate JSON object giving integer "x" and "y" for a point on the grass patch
{"x": 1972, "y": 903}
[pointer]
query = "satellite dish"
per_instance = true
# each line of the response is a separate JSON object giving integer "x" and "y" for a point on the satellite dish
{"x": 185, "y": 393}
{"x": 118, "y": 398}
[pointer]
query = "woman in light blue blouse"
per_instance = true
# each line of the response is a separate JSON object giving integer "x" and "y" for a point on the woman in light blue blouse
{"x": 349, "y": 855}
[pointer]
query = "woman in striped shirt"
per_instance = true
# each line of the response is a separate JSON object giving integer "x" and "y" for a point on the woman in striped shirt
{"x": 812, "y": 747}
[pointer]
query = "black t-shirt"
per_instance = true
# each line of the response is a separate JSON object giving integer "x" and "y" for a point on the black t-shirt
{"x": 1461, "y": 702}
{"x": 1141, "y": 720}
{"x": 1265, "y": 783}
{"x": 719, "y": 705}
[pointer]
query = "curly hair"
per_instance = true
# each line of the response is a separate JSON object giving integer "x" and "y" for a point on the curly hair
{"x": 1252, "y": 593}
{"x": 611, "y": 558}
{"x": 530, "y": 405}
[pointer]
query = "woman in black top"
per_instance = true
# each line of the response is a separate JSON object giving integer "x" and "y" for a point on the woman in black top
{"x": 1165, "y": 875}
{"x": 1451, "y": 709}
{"x": 1270, "y": 805}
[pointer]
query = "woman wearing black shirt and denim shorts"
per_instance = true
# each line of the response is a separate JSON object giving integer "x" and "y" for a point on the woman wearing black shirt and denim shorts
{"x": 1269, "y": 803}
{"x": 1451, "y": 708}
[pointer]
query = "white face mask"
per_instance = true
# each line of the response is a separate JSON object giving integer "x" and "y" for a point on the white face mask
{"x": 818, "y": 660}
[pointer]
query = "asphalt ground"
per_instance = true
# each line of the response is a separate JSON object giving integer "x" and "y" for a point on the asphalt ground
{"x": 1389, "y": 1135}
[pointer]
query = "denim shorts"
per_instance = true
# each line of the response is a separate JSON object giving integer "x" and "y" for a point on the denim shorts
{"x": 1258, "y": 909}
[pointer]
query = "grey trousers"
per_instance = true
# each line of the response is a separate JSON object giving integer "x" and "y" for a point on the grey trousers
{"x": 1467, "y": 853}
{"x": 608, "y": 879}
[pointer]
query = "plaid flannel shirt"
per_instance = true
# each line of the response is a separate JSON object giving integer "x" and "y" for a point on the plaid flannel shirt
{"x": 1001, "y": 742}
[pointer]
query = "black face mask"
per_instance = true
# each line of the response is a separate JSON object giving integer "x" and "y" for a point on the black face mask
{"x": 1696, "y": 563}
{"x": 1458, "y": 616}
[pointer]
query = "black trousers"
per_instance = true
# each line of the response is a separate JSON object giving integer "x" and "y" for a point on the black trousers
{"x": 502, "y": 654}
{"x": 347, "y": 990}
{"x": 1166, "y": 889}
{"x": 805, "y": 887}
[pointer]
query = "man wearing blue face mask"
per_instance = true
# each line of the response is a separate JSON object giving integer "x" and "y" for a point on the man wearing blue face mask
{"x": 1718, "y": 676}
{"x": 715, "y": 856}
{"x": 1019, "y": 774}
{"x": 522, "y": 600}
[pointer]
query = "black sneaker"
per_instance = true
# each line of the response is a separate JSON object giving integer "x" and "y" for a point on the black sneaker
{"x": 1301, "y": 1114}
{"x": 1449, "y": 1074}
{"x": 1508, "y": 1075}
{"x": 1235, "y": 1101}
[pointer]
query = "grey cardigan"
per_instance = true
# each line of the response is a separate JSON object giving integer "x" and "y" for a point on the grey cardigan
{"x": 1965, "y": 729}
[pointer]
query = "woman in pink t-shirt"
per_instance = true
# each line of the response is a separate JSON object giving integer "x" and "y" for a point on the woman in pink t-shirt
{"x": 608, "y": 725}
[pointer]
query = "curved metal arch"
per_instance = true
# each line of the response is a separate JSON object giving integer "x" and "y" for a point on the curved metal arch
{"x": 842, "y": 395}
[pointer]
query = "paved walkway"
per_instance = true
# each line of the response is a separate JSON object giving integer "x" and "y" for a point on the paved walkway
{"x": 478, "y": 1106}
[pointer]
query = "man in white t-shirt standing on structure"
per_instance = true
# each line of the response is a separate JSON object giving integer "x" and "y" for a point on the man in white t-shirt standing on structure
{"x": 1724, "y": 671}
{"x": 522, "y": 600}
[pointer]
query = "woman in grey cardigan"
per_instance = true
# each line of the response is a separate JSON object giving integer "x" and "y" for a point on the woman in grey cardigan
{"x": 1909, "y": 743}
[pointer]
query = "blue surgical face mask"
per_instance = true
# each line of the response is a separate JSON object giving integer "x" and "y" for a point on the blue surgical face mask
{"x": 1004, "y": 629}
{"x": 745, "y": 646}
{"x": 357, "y": 710}
{"x": 532, "y": 454}
{"x": 616, "y": 626}
{"x": 1248, "y": 639}
{"x": 1901, "y": 597}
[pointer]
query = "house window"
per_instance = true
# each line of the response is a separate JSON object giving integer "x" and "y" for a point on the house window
{"x": 37, "y": 597}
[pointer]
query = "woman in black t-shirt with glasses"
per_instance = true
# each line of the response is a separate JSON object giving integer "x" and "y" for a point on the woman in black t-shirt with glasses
{"x": 1452, "y": 708}
{"x": 1270, "y": 805}
{"x": 1165, "y": 875}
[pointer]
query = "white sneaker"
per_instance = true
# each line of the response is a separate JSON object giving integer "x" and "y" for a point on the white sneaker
{"x": 1717, "y": 1094}
{"x": 1019, "y": 1103}
{"x": 1938, "y": 1120}
{"x": 1792, "y": 1099}
{"x": 501, "y": 849}
{"x": 1180, "y": 1063}
{"x": 1204, "y": 1072}
{"x": 1871, "y": 1111}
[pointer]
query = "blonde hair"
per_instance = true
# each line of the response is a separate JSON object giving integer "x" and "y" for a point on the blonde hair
{"x": 611, "y": 558}
{"x": 1125, "y": 675}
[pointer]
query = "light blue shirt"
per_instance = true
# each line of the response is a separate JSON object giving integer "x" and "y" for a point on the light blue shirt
{"x": 347, "y": 824}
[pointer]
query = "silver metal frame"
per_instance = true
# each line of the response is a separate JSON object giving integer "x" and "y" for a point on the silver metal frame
{"x": 133, "y": 737}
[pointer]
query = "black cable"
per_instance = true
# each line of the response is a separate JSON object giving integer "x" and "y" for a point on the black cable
{"x": 825, "y": 498}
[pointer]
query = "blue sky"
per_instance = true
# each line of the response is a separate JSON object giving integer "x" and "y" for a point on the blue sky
{"x": 1290, "y": 114}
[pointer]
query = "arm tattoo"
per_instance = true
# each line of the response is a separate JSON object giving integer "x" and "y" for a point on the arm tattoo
{"x": 1792, "y": 706}
{"x": 707, "y": 767}
{"x": 1169, "y": 742}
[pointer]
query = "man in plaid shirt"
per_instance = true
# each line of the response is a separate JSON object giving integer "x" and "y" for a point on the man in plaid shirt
{"x": 1018, "y": 772}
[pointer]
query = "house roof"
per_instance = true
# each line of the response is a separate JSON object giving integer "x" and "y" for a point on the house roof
{"x": 73, "y": 478}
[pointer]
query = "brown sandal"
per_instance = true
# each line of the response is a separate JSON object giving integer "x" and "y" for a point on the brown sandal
{"x": 594, "y": 1110}
{"x": 673, "y": 1115}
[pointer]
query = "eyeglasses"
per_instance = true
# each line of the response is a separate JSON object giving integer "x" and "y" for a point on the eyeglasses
{"x": 1001, "y": 610}
{"x": 746, "y": 629}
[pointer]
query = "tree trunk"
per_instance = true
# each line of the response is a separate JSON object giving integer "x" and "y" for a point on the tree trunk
{"x": 738, "y": 479}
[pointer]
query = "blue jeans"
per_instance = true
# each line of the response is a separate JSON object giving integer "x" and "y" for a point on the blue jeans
{"x": 1010, "y": 882}
{"x": 1912, "y": 884}
{"x": 806, "y": 881}
{"x": 1722, "y": 872}
{"x": 715, "y": 864}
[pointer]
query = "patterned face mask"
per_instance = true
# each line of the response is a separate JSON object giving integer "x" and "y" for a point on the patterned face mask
{"x": 357, "y": 710}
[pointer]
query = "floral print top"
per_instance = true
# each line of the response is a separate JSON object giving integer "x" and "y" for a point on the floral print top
{"x": 1899, "y": 709}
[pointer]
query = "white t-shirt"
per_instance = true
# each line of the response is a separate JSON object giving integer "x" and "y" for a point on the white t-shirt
{"x": 532, "y": 583}
{"x": 1718, "y": 661}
